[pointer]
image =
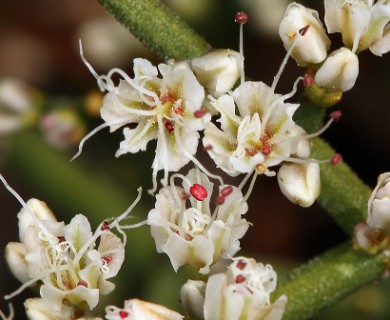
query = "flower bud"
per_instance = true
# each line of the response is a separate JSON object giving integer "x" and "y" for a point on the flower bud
{"x": 217, "y": 70}
{"x": 15, "y": 253}
{"x": 379, "y": 205}
{"x": 39, "y": 309}
{"x": 192, "y": 298}
{"x": 312, "y": 47}
{"x": 62, "y": 128}
{"x": 18, "y": 102}
{"x": 300, "y": 182}
{"x": 136, "y": 309}
{"x": 339, "y": 71}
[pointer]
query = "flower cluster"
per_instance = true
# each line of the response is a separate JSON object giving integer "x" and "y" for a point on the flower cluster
{"x": 188, "y": 231}
{"x": 362, "y": 24}
{"x": 63, "y": 261}
{"x": 242, "y": 292}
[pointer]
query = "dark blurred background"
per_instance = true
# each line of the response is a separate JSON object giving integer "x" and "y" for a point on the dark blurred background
{"x": 39, "y": 45}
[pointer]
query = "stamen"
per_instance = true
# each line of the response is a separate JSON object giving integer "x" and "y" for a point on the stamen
{"x": 208, "y": 147}
{"x": 82, "y": 283}
{"x": 287, "y": 56}
{"x": 123, "y": 314}
{"x": 240, "y": 278}
{"x": 336, "y": 159}
{"x": 336, "y": 115}
{"x": 169, "y": 125}
{"x": 248, "y": 193}
{"x": 105, "y": 226}
{"x": 219, "y": 200}
{"x": 200, "y": 113}
{"x": 25, "y": 206}
{"x": 198, "y": 192}
{"x": 88, "y": 65}
{"x": 241, "y": 264}
{"x": 11, "y": 313}
{"x": 241, "y": 18}
{"x": 226, "y": 191}
{"x": 89, "y": 135}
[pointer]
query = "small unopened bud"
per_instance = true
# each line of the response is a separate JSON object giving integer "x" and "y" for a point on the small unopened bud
{"x": 15, "y": 253}
{"x": 300, "y": 182}
{"x": 192, "y": 298}
{"x": 139, "y": 309}
{"x": 217, "y": 70}
{"x": 339, "y": 71}
{"x": 379, "y": 205}
{"x": 62, "y": 128}
{"x": 313, "y": 44}
{"x": 40, "y": 309}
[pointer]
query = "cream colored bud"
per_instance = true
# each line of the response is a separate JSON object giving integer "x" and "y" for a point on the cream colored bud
{"x": 39, "y": 209}
{"x": 300, "y": 182}
{"x": 192, "y": 298}
{"x": 379, "y": 205}
{"x": 310, "y": 48}
{"x": 15, "y": 253}
{"x": 138, "y": 309}
{"x": 40, "y": 309}
{"x": 339, "y": 71}
{"x": 218, "y": 70}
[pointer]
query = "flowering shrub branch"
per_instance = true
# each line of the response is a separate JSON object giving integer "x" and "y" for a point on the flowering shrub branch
{"x": 193, "y": 222}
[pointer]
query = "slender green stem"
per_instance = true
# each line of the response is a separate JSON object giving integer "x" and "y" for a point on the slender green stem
{"x": 158, "y": 28}
{"x": 327, "y": 279}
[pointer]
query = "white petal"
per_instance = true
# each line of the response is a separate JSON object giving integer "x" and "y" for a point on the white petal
{"x": 112, "y": 246}
{"x": 192, "y": 298}
{"x": 142, "y": 310}
{"x": 300, "y": 183}
{"x": 198, "y": 252}
{"x": 15, "y": 256}
{"x": 40, "y": 309}
{"x": 78, "y": 231}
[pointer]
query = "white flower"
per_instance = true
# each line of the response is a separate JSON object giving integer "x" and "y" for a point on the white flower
{"x": 313, "y": 46}
{"x": 300, "y": 182}
{"x": 217, "y": 70}
{"x": 64, "y": 259}
{"x": 379, "y": 205}
{"x": 260, "y": 137}
{"x": 339, "y": 71}
{"x": 17, "y": 102}
{"x": 241, "y": 293}
{"x": 166, "y": 108}
{"x": 136, "y": 309}
{"x": 363, "y": 23}
{"x": 188, "y": 231}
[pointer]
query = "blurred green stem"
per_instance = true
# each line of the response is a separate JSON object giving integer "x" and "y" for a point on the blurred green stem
{"x": 159, "y": 28}
{"x": 327, "y": 279}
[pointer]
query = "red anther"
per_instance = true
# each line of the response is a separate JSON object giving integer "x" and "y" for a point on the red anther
{"x": 308, "y": 80}
{"x": 167, "y": 98}
{"x": 169, "y": 125}
{"x": 241, "y": 17}
{"x": 82, "y": 283}
{"x": 208, "y": 147}
{"x": 241, "y": 265}
{"x": 185, "y": 195}
{"x": 219, "y": 200}
{"x": 179, "y": 110}
{"x": 198, "y": 192}
{"x": 108, "y": 259}
{"x": 61, "y": 239}
{"x": 266, "y": 150}
{"x": 336, "y": 159}
{"x": 105, "y": 226}
{"x": 303, "y": 30}
{"x": 336, "y": 115}
{"x": 240, "y": 278}
{"x": 226, "y": 191}
{"x": 123, "y": 314}
{"x": 200, "y": 113}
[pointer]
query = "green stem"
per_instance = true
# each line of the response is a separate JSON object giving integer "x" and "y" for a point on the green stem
{"x": 158, "y": 28}
{"x": 327, "y": 279}
{"x": 343, "y": 194}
